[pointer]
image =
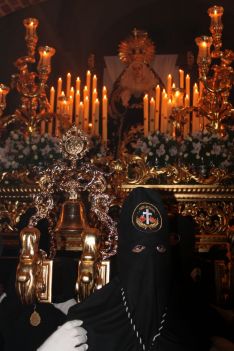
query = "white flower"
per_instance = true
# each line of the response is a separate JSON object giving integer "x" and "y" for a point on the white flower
{"x": 34, "y": 147}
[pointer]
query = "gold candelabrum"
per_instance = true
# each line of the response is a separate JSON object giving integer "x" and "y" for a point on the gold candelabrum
{"x": 34, "y": 106}
{"x": 210, "y": 100}
{"x": 216, "y": 79}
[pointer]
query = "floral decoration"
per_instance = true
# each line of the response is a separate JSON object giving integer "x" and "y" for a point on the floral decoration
{"x": 160, "y": 149}
{"x": 204, "y": 148}
{"x": 21, "y": 151}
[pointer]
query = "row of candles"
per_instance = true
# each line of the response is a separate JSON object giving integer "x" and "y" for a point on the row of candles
{"x": 85, "y": 113}
{"x": 81, "y": 106}
{"x": 159, "y": 108}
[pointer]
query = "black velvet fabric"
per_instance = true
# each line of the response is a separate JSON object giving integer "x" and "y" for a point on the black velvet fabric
{"x": 149, "y": 288}
{"x": 15, "y": 327}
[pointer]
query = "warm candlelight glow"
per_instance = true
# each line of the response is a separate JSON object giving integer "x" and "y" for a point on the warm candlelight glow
{"x": 157, "y": 107}
{"x": 94, "y": 85}
{"x": 104, "y": 118}
{"x": 181, "y": 74}
{"x": 146, "y": 114}
{"x": 152, "y": 115}
{"x": 169, "y": 84}
{"x": 52, "y": 97}
{"x": 68, "y": 85}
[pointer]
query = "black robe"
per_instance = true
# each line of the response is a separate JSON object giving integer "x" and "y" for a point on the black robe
{"x": 142, "y": 308}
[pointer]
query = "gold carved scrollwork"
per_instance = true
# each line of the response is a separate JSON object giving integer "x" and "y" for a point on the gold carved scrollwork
{"x": 89, "y": 266}
{"x": 34, "y": 272}
{"x": 135, "y": 171}
{"x": 10, "y": 213}
{"x": 212, "y": 217}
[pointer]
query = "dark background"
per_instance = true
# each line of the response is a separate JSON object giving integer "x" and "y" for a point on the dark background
{"x": 80, "y": 28}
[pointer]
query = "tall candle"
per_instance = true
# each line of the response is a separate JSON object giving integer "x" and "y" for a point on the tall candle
{"x": 88, "y": 81}
{"x": 157, "y": 108}
{"x": 96, "y": 119}
{"x": 86, "y": 113}
{"x": 181, "y": 74}
{"x": 94, "y": 97}
{"x": 152, "y": 115}
{"x": 169, "y": 107}
{"x": 85, "y": 92}
{"x": 59, "y": 90}
{"x": 78, "y": 84}
{"x": 71, "y": 105}
{"x": 81, "y": 116}
{"x": 77, "y": 102}
{"x": 94, "y": 84}
{"x": 164, "y": 113}
{"x": 104, "y": 118}
{"x": 146, "y": 114}
{"x": 169, "y": 85}
{"x": 187, "y": 85}
{"x": 104, "y": 91}
{"x": 68, "y": 86}
{"x": 195, "y": 95}
{"x": 186, "y": 101}
{"x": 52, "y": 96}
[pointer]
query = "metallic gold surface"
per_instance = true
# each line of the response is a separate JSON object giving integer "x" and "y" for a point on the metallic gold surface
{"x": 71, "y": 224}
{"x": 30, "y": 275}
{"x": 88, "y": 268}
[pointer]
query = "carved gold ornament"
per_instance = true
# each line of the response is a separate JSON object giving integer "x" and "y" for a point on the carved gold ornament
{"x": 137, "y": 47}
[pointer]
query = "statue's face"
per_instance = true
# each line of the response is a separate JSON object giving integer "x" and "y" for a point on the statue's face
{"x": 137, "y": 70}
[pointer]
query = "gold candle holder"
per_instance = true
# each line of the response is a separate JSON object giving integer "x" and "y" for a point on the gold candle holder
{"x": 216, "y": 28}
{"x": 4, "y": 90}
{"x": 204, "y": 56}
{"x": 31, "y": 37}
{"x": 44, "y": 65}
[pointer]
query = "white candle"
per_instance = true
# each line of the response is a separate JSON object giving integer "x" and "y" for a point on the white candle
{"x": 169, "y": 107}
{"x": 187, "y": 85}
{"x": 94, "y": 84}
{"x": 77, "y": 102}
{"x": 104, "y": 118}
{"x": 68, "y": 86}
{"x": 169, "y": 85}
{"x": 86, "y": 113}
{"x": 78, "y": 84}
{"x": 186, "y": 101}
{"x": 59, "y": 90}
{"x": 181, "y": 73}
{"x": 96, "y": 118}
{"x": 52, "y": 96}
{"x": 80, "y": 121}
{"x": 152, "y": 115}
{"x": 85, "y": 92}
{"x": 146, "y": 114}
{"x": 157, "y": 107}
{"x": 104, "y": 91}
{"x": 164, "y": 113}
{"x": 88, "y": 81}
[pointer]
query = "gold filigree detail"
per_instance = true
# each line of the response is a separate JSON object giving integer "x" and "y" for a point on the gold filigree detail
{"x": 75, "y": 144}
{"x": 10, "y": 213}
{"x": 212, "y": 217}
{"x": 134, "y": 170}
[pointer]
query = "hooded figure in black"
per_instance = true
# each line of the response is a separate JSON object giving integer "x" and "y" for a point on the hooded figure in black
{"x": 132, "y": 312}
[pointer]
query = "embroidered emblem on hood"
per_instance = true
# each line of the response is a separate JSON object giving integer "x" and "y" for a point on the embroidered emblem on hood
{"x": 146, "y": 217}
